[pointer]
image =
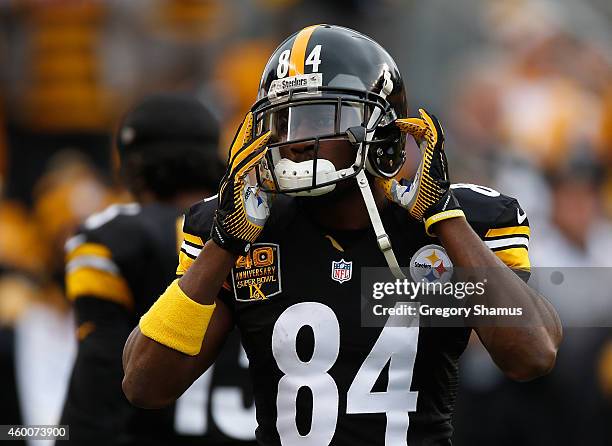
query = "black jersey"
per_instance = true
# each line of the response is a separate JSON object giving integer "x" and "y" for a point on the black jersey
{"x": 321, "y": 378}
{"x": 119, "y": 262}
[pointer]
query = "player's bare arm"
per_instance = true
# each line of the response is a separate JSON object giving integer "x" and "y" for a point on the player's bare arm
{"x": 522, "y": 353}
{"x": 146, "y": 382}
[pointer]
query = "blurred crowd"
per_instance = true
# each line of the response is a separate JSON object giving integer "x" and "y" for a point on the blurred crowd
{"x": 524, "y": 88}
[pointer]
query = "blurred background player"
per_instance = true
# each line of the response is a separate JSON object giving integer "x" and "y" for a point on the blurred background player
{"x": 127, "y": 253}
{"x": 36, "y": 318}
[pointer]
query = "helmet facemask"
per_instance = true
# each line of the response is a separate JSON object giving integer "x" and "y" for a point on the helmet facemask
{"x": 315, "y": 122}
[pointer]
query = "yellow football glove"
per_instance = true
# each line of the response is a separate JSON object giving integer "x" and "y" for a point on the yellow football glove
{"x": 429, "y": 196}
{"x": 242, "y": 208}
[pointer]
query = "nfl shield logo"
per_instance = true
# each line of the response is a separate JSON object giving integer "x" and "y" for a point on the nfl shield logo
{"x": 342, "y": 271}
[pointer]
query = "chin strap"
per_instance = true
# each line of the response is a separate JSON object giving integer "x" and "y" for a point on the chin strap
{"x": 383, "y": 240}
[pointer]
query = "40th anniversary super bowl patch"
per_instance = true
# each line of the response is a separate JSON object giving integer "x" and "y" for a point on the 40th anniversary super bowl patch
{"x": 256, "y": 275}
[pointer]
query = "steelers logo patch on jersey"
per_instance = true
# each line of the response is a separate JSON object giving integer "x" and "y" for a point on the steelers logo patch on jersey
{"x": 256, "y": 275}
{"x": 431, "y": 264}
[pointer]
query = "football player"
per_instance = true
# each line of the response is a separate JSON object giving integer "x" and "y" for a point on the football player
{"x": 325, "y": 139}
{"x": 124, "y": 256}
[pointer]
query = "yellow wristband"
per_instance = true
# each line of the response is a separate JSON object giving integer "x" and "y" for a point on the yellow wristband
{"x": 453, "y": 213}
{"x": 176, "y": 321}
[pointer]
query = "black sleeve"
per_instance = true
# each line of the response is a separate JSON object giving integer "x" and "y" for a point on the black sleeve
{"x": 500, "y": 222}
{"x": 195, "y": 232}
{"x": 96, "y": 409}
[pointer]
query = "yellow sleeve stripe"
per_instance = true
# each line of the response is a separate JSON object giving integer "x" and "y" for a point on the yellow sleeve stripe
{"x": 89, "y": 249}
{"x": 508, "y": 231}
{"x": 185, "y": 263}
{"x": 101, "y": 284}
{"x": 515, "y": 258}
{"x": 191, "y": 250}
{"x": 193, "y": 239}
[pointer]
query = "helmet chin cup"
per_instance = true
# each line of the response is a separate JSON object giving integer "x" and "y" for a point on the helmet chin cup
{"x": 292, "y": 175}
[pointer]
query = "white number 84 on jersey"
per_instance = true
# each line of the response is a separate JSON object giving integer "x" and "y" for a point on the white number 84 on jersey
{"x": 395, "y": 344}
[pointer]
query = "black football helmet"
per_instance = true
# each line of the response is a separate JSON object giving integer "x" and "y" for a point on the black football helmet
{"x": 322, "y": 84}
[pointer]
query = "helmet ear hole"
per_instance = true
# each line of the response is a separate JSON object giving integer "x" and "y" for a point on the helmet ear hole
{"x": 386, "y": 153}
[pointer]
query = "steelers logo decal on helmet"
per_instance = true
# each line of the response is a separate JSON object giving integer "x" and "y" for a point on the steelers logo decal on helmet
{"x": 431, "y": 264}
